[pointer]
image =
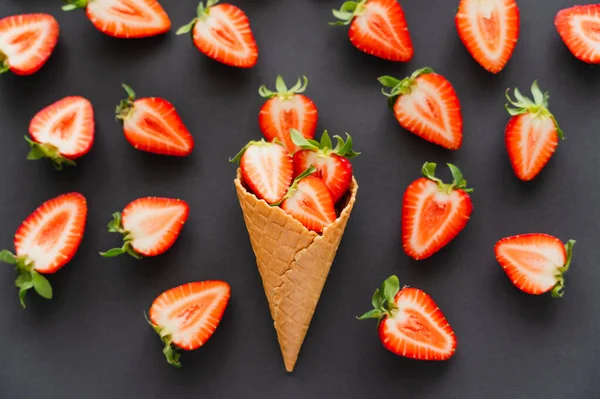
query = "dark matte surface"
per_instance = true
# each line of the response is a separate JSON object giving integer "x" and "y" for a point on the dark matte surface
{"x": 92, "y": 342}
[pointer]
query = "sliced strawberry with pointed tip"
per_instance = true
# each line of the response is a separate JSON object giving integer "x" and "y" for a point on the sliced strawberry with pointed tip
{"x": 287, "y": 109}
{"x": 153, "y": 125}
{"x": 185, "y": 317}
{"x": 149, "y": 225}
{"x": 62, "y": 131}
{"x": 267, "y": 170}
{"x": 46, "y": 241}
{"x": 410, "y": 324}
{"x": 489, "y": 29}
{"x": 377, "y": 27}
{"x": 531, "y": 134}
{"x": 223, "y": 33}
{"x": 309, "y": 202}
{"x": 535, "y": 263}
{"x": 26, "y": 42}
{"x": 579, "y": 28}
{"x": 433, "y": 213}
{"x": 427, "y": 105}
{"x": 332, "y": 164}
{"x": 124, "y": 19}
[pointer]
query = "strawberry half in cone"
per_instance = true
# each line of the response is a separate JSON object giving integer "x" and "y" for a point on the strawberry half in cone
{"x": 292, "y": 260}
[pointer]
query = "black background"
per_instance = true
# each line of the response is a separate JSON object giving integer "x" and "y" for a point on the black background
{"x": 91, "y": 340}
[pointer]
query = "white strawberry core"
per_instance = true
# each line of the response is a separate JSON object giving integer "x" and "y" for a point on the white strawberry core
{"x": 13, "y": 48}
{"x": 122, "y": 15}
{"x": 536, "y": 136}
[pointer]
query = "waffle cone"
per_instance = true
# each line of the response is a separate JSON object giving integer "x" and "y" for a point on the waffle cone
{"x": 293, "y": 263}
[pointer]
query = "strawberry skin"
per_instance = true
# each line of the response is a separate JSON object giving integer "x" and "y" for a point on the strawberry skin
{"x": 62, "y": 131}
{"x": 378, "y": 28}
{"x": 267, "y": 170}
{"x": 124, "y": 19}
{"x": 489, "y": 30}
{"x": 287, "y": 109}
{"x": 149, "y": 225}
{"x": 410, "y": 323}
{"x": 535, "y": 263}
{"x": 531, "y": 134}
{"x": 46, "y": 241}
{"x": 223, "y": 33}
{"x": 433, "y": 213}
{"x": 427, "y": 105}
{"x": 185, "y": 317}
{"x": 309, "y": 202}
{"x": 331, "y": 164}
{"x": 578, "y": 28}
{"x": 153, "y": 125}
{"x": 26, "y": 42}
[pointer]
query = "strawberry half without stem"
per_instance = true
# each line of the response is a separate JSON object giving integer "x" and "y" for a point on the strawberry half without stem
{"x": 489, "y": 29}
{"x": 427, "y": 105}
{"x": 410, "y": 324}
{"x": 26, "y": 42}
{"x": 531, "y": 134}
{"x": 433, "y": 213}
{"x": 149, "y": 226}
{"x": 535, "y": 263}
{"x": 578, "y": 28}
{"x": 124, "y": 19}
{"x": 309, "y": 201}
{"x": 223, "y": 33}
{"x": 332, "y": 164}
{"x": 62, "y": 132}
{"x": 185, "y": 317}
{"x": 287, "y": 109}
{"x": 267, "y": 170}
{"x": 46, "y": 241}
{"x": 377, "y": 27}
{"x": 153, "y": 125}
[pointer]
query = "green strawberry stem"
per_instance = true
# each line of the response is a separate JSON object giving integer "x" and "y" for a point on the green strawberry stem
{"x": 4, "y": 67}
{"x": 202, "y": 12}
{"x": 170, "y": 351}
{"x": 459, "y": 183}
{"x": 559, "y": 289}
{"x": 74, "y": 4}
{"x": 538, "y": 107}
{"x": 294, "y": 187}
{"x": 281, "y": 89}
{"x": 399, "y": 87}
{"x": 28, "y": 277}
{"x": 325, "y": 146}
{"x": 348, "y": 11}
{"x": 262, "y": 142}
{"x": 115, "y": 226}
{"x": 45, "y": 150}
{"x": 125, "y": 107}
{"x": 383, "y": 300}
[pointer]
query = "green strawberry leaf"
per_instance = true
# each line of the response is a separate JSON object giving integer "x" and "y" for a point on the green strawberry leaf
{"x": 41, "y": 285}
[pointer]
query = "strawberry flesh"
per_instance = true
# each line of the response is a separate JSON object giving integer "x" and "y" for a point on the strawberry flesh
{"x": 334, "y": 170}
{"x": 579, "y": 28}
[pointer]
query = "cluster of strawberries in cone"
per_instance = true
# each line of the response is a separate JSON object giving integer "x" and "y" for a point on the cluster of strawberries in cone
{"x": 292, "y": 176}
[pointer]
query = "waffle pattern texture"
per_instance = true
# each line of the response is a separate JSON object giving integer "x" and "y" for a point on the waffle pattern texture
{"x": 293, "y": 263}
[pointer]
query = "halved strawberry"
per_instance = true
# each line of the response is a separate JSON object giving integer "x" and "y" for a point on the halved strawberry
{"x": 62, "y": 131}
{"x": 489, "y": 29}
{"x": 579, "y": 28}
{"x": 267, "y": 170}
{"x": 26, "y": 42}
{"x": 124, "y": 19}
{"x": 223, "y": 33}
{"x": 433, "y": 213}
{"x": 427, "y": 105}
{"x": 153, "y": 125}
{"x": 535, "y": 263}
{"x": 149, "y": 225}
{"x": 332, "y": 164}
{"x": 377, "y": 27}
{"x": 185, "y": 317}
{"x": 309, "y": 201}
{"x": 287, "y": 109}
{"x": 410, "y": 324}
{"x": 532, "y": 133}
{"x": 46, "y": 241}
